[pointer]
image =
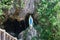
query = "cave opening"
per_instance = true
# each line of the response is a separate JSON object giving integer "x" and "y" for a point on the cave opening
{"x": 14, "y": 27}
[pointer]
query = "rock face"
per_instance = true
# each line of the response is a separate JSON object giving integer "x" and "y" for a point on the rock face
{"x": 31, "y": 33}
{"x": 28, "y": 34}
{"x": 28, "y": 8}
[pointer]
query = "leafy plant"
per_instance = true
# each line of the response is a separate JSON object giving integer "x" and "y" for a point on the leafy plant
{"x": 48, "y": 10}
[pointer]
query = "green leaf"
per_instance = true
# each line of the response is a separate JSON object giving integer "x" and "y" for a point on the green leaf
{"x": 1, "y": 13}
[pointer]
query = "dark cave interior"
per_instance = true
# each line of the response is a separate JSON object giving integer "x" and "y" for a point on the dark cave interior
{"x": 14, "y": 27}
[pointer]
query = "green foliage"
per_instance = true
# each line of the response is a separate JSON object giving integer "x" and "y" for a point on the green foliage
{"x": 22, "y": 3}
{"x": 48, "y": 11}
{"x": 1, "y": 12}
{"x": 49, "y": 18}
{"x": 4, "y": 4}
